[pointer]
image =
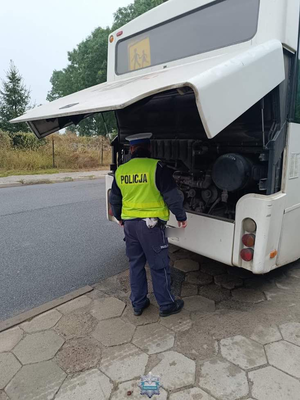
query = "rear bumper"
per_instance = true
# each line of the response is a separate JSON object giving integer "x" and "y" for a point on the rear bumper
{"x": 207, "y": 236}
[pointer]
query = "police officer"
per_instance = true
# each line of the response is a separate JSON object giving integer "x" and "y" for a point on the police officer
{"x": 142, "y": 194}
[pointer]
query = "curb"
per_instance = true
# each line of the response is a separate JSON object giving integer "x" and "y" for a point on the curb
{"x": 7, "y": 185}
{"x": 49, "y": 181}
{"x": 18, "y": 319}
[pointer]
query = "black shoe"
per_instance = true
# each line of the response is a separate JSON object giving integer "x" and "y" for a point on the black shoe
{"x": 139, "y": 311}
{"x": 175, "y": 309}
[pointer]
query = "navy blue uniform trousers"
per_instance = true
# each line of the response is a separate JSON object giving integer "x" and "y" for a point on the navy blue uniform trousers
{"x": 148, "y": 244}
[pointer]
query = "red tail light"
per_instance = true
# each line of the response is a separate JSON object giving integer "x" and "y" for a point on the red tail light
{"x": 248, "y": 240}
{"x": 247, "y": 254}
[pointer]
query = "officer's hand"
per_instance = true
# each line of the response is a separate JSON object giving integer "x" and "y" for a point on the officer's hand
{"x": 120, "y": 223}
{"x": 182, "y": 224}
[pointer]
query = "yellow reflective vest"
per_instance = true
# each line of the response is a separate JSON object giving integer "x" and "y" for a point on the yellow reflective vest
{"x": 141, "y": 198}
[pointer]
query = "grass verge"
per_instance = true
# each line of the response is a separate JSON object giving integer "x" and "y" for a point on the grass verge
{"x": 68, "y": 153}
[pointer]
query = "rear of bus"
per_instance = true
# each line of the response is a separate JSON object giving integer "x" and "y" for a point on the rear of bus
{"x": 221, "y": 140}
{"x": 214, "y": 82}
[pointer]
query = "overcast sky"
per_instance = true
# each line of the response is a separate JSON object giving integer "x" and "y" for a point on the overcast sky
{"x": 37, "y": 34}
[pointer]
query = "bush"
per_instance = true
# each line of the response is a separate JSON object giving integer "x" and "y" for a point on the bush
{"x": 26, "y": 141}
{"x": 5, "y": 140}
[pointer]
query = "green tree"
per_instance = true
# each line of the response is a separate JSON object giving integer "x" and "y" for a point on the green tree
{"x": 88, "y": 67}
{"x": 14, "y": 100}
{"x": 137, "y": 8}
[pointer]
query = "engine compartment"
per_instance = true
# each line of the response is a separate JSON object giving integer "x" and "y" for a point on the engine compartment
{"x": 216, "y": 189}
{"x": 212, "y": 174}
{"x": 213, "y": 177}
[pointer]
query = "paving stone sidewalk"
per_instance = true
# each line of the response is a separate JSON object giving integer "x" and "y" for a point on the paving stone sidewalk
{"x": 238, "y": 337}
{"x": 19, "y": 180}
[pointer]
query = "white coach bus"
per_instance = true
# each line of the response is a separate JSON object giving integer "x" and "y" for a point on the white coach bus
{"x": 216, "y": 82}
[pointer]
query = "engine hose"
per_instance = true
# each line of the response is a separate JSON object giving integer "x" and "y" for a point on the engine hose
{"x": 214, "y": 205}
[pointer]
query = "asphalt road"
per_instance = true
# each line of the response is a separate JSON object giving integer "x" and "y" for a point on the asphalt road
{"x": 54, "y": 239}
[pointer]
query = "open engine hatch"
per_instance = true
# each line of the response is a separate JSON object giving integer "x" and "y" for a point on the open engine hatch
{"x": 219, "y": 85}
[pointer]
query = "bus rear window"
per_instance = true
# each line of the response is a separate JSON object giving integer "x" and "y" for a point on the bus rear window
{"x": 217, "y": 25}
